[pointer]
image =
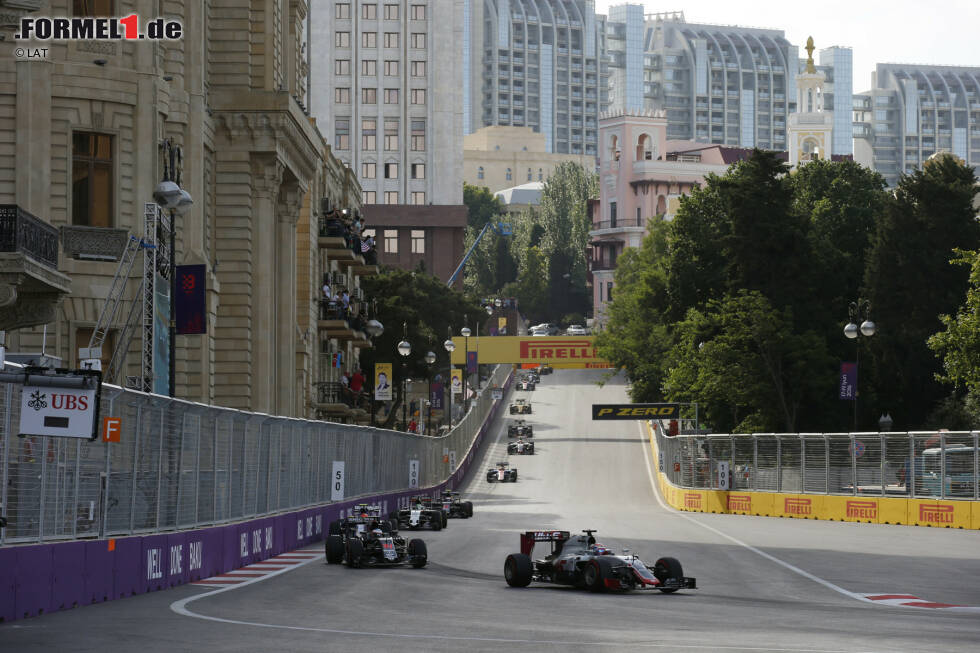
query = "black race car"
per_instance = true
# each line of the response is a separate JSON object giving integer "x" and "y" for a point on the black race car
{"x": 533, "y": 377}
{"x": 546, "y": 369}
{"x": 521, "y": 447}
{"x": 520, "y": 407}
{"x": 582, "y": 562}
{"x": 453, "y": 506}
{"x": 520, "y": 428}
{"x": 368, "y": 540}
{"x": 421, "y": 512}
{"x": 502, "y": 474}
{"x": 525, "y": 384}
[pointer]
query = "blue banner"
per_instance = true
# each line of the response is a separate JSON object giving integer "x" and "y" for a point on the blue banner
{"x": 190, "y": 300}
{"x": 848, "y": 381}
{"x": 471, "y": 362}
{"x": 436, "y": 396}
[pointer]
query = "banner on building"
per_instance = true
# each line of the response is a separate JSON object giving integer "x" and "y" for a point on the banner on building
{"x": 457, "y": 381}
{"x": 472, "y": 362}
{"x": 848, "y": 381}
{"x": 382, "y": 381}
{"x": 436, "y": 396}
{"x": 190, "y": 300}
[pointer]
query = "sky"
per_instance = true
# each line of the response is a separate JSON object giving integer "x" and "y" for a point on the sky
{"x": 901, "y": 31}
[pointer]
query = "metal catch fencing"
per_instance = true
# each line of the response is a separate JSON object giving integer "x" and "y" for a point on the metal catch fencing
{"x": 183, "y": 465}
{"x": 933, "y": 464}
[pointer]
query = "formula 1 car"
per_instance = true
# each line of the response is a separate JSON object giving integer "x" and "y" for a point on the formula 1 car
{"x": 367, "y": 540}
{"x": 520, "y": 428}
{"x": 502, "y": 474}
{"x": 546, "y": 369}
{"x": 454, "y": 506}
{"x": 520, "y": 407}
{"x": 521, "y": 447}
{"x": 525, "y": 384}
{"x": 533, "y": 377}
{"x": 421, "y": 512}
{"x": 581, "y": 562}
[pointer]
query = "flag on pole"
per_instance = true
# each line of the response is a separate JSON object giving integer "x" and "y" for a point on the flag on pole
{"x": 336, "y": 359}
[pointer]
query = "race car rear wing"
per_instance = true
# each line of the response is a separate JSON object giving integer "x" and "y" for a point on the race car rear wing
{"x": 530, "y": 537}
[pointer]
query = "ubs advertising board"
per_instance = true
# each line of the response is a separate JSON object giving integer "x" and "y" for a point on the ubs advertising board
{"x": 563, "y": 352}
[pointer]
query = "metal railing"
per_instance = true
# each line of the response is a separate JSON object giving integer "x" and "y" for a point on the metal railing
{"x": 23, "y": 232}
{"x": 182, "y": 465}
{"x": 914, "y": 464}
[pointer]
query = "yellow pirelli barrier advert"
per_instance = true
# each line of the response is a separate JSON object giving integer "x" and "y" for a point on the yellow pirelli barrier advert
{"x": 568, "y": 352}
{"x": 935, "y": 513}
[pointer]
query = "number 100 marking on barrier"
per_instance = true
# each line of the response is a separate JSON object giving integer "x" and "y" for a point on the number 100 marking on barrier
{"x": 413, "y": 473}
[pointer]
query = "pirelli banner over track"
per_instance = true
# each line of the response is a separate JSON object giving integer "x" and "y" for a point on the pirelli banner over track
{"x": 634, "y": 411}
{"x": 561, "y": 352}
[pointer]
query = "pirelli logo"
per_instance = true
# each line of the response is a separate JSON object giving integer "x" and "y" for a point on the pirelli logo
{"x": 938, "y": 513}
{"x": 557, "y": 350}
{"x": 692, "y": 501}
{"x": 797, "y": 507}
{"x": 862, "y": 510}
{"x": 634, "y": 411}
{"x": 741, "y": 502}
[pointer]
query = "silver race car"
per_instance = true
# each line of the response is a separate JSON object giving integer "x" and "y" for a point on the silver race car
{"x": 501, "y": 473}
{"x": 521, "y": 447}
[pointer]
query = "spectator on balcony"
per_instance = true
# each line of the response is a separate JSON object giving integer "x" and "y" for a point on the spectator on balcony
{"x": 357, "y": 382}
{"x": 413, "y": 426}
{"x": 345, "y": 300}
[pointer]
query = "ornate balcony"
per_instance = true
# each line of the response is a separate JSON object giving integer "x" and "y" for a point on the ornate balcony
{"x": 94, "y": 243}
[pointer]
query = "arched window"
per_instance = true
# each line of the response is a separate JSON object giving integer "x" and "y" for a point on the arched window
{"x": 509, "y": 175}
{"x": 644, "y": 148}
{"x": 479, "y": 172}
{"x": 614, "y": 150}
{"x": 530, "y": 176}
{"x": 661, "y": 205}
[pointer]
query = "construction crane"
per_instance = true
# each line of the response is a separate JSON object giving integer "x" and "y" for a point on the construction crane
{"x": 499, "y": 228}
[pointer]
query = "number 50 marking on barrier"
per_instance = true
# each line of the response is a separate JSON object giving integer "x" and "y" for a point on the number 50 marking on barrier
{"x": 337, "y": 481}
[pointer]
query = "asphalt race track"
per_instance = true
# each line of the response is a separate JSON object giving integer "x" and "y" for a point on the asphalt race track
{"x": 765, "y": 584}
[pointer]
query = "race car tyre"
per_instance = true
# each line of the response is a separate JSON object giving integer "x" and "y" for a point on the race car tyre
{"x": 355, "y": 550}
{"x": 514, "y": 475}
{"x": 334, "y": 528}
{"x": 417, "y": 553}
{"x": 445, "y": 519}
{"x": 334, "y": 549}
{"x": 394, "y": 525}
{"x": 668, "y": 568}
{"x": 468, "y": 509}
{"x": 518, "y": 569}
{"x": 596, "y": 573}
{"x": 437, "y": 524}
{"x": 491, "y": 478}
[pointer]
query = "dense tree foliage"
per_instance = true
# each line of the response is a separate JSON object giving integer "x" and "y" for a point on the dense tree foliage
{"x": 483, "y": 205}
{"x": 739, "y": 302}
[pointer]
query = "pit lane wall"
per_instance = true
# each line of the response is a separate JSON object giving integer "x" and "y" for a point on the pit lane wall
{"x": 930, "y": 512}
{"x": 37, "y": 579}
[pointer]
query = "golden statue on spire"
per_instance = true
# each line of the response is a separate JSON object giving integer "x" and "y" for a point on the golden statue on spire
{"x": 809, "y": 50}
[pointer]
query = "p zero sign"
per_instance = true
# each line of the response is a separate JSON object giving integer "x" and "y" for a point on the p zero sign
{"x": 61, "y": 405}
{"x": 634, "y": 411}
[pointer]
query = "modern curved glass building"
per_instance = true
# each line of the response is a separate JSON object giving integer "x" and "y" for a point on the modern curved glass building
{"x": 535, "y": 63}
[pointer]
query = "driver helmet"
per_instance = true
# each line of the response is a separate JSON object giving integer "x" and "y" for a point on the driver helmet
{"x": 377, "y": 532}
{"x": 601, "y": 550}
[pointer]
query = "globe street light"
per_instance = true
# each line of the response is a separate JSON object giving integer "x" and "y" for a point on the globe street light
{"x": 404, "y": 348}
{"x": 857, "y": 310}
{"x": 430, "y": 358}
{"x": 465, "y": 332}
{"x": 450, "y": 347}
{"x": 373, "y": 329}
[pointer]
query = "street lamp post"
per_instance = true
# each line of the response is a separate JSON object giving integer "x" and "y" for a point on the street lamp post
{"x": 858, "y": 310}
{"x": 373, "y": 329}
{"x": 450, "y": 347}
{"x": 404, "y": 349}
{"x": 465, "y": 332}
{"x": 430, "y": 358}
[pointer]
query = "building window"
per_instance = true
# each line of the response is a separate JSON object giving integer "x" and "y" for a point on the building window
{"x": 418, "y": 136}
{"x": 418, "y": 12}
{"x": 418, "y": 40}
{"x": 418, "y": 241}
{"x": 612, "y": 214}
{"x": 540, "y": 174}
{"x": 418, "y": 69}
{"x": 391, "y": 68}
{"x": 418, "y": 96}
{"x": 391, "y": 135}
{"x": 369, "y": 197}
{"x": 92, "y": 179}
{"x": 341, "y": 39}
{"x": 341, "y": 95}
{"x": 341, "y": 130}
{"x": 391, "y": 96}
{"x": 418, "y": 197}
{"x": 369, "y": 39}
{"x": 479, "y": 172}
{"x": 369, "y": 67}
{"x": 391, "y": 39}
{"x": 391, "y": 197}
{"x": 369, "y": 131}
{"x": 609, "y": 287}
{"x": 369, "y": 170}
{"x": 341, "y": 67}
{"x": 369, "y": 12}
{"x": 418, "y": 171}
{"x": 342, "y": 11}
{"x": 638, "y": 217}
{"x": 83, "y": 336}
{"x": 369, "y": 96}
{"x": 391, "y": 12}
{"x": 509, "y": 175}
{"x": 391, "y": 241}
{"x": 530, "y": 175}
{"x": 391, "y": 171}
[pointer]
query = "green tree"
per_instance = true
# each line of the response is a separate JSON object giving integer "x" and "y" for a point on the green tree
{"x": 531, "y": 289}
{"x": 910, "y": 283}
{"x": 958, "y": 344}
{"x": 483, "y": 205}
{"x": 423, "y": 303}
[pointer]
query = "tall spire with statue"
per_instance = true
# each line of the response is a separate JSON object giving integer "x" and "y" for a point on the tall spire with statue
{"x": 810, "y": 128}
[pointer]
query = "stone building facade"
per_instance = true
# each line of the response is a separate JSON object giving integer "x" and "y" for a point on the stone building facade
{"x": 85, "y": 124}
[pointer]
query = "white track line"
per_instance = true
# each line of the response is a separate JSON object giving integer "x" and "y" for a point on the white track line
{"x": 796, "y": 570}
